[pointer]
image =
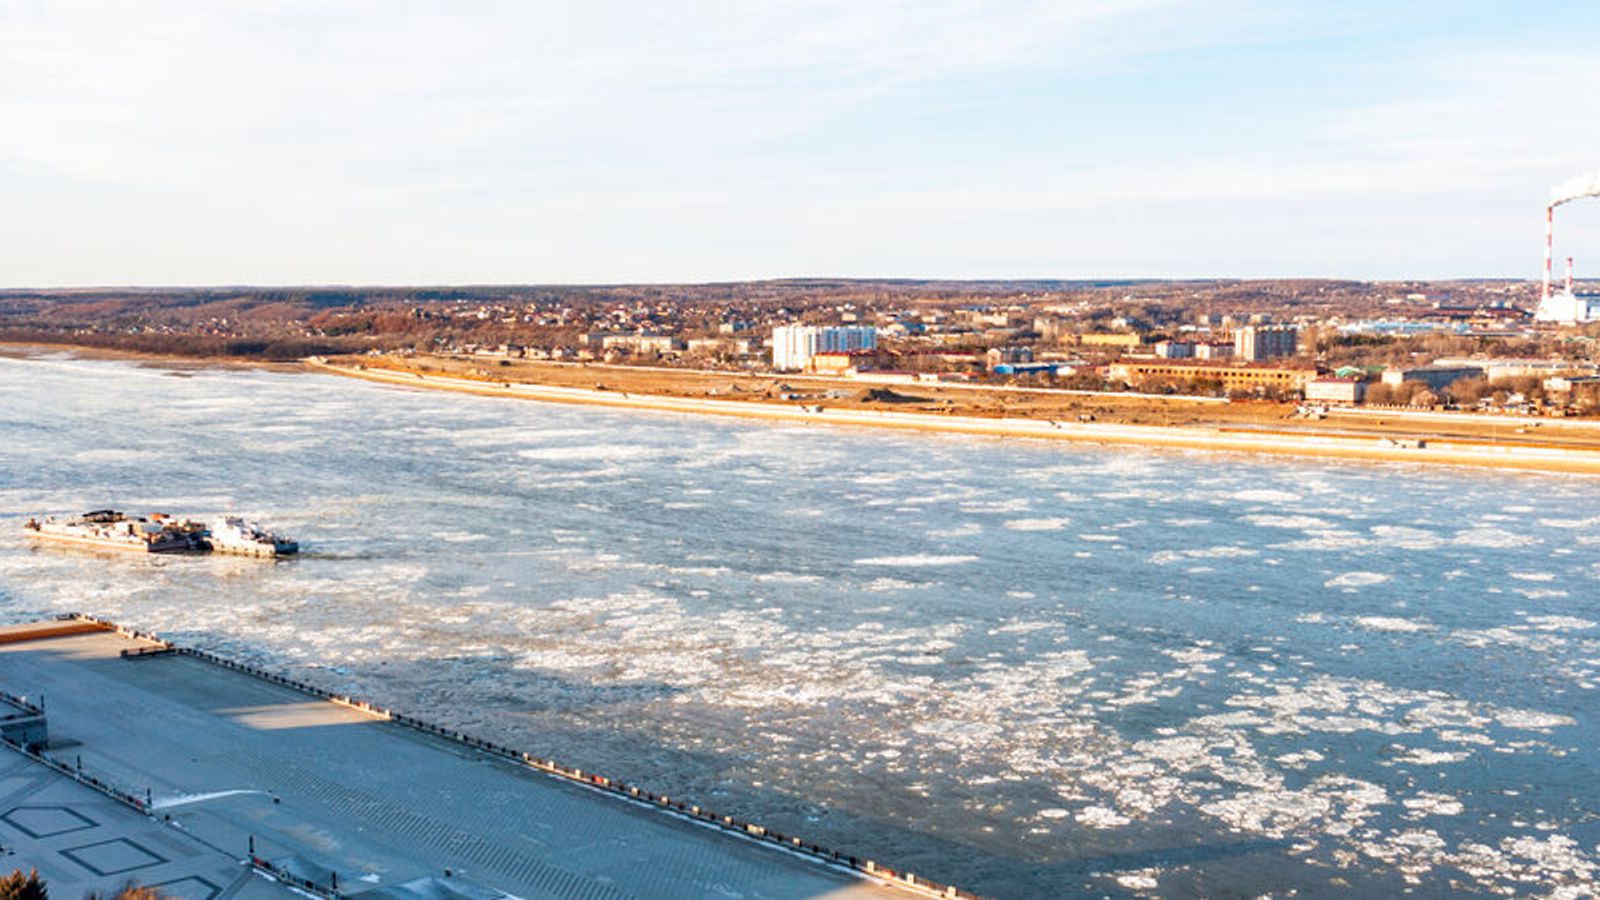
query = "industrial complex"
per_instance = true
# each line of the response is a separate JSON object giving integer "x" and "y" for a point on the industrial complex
{"x": 1566, "y": 307}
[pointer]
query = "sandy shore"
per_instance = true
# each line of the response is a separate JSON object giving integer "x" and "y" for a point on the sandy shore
{"x": 1529, "y": 456}
{"x": 27, "y": 349}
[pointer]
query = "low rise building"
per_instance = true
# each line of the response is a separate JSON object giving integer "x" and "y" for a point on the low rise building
{"x": 1564, "y": 384}
{"x": 1347, "y": 391}
{"x": 1004, "y": 355}
{"x": 1499, "y": 368}
{"x": 844, "y": 362}
{"x": 1124, "y": 339}
{"x": 1437, "y": 378}
{"x": 643, "y": 342}
{"x": 1231, "y": 377}
{"x": 1033, "y": 368}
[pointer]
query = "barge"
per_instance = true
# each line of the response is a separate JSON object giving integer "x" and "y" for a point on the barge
{"x": 160, "y": 533}
{"x": 112, "y": 530}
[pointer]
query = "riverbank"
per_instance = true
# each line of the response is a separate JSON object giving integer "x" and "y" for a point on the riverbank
{"x": 29, "y": 349}
{"x": 1282, "y": 439}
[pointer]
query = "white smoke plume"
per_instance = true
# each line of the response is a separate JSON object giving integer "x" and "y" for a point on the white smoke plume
{"x": 1573, "y": 188}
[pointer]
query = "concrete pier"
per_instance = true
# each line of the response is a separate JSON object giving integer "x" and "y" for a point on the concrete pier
{"x": 334, "y": 797}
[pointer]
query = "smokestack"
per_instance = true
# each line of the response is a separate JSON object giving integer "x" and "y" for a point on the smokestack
{"x": 1569, "y": 274}
{"x": 1549, "y": 246}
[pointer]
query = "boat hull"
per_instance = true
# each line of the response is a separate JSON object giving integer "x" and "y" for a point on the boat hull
{"x": 111, "y": 544}
{"x": 289, "y": 548}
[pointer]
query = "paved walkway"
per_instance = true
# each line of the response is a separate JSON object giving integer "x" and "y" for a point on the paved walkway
{"x": 324, "y": 790}
{"x": 81, "y": 841}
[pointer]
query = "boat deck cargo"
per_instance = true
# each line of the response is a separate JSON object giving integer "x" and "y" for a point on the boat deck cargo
{"x": 108, "y": 528}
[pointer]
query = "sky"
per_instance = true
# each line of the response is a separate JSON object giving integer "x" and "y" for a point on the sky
{"x": 277, "y": 142}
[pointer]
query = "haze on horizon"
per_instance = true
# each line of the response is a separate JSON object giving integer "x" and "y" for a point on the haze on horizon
{"x": 273, "y": 142}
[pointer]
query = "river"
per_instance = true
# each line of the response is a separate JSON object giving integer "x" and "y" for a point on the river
{"x": 1026, "y": 668}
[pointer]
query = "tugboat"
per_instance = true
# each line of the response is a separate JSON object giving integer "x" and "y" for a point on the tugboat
{"x": 233, "y": 534}
{"x": 112, "y": 530}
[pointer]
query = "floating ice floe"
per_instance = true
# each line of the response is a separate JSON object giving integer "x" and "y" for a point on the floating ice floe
{"x": 1356, "y": 579}
{"x": 1420, "y": 756}
{"x": 997, "y": 507}
{"x": 967, "y": 529}
{"x": 1560, "y": 623}
{"x": 1101, "y": 817}
{"x": 1426, "y": 804}
{"x": 1541, "y": 593}
{"x": 1141, "y": 880}
{"x": 1532, "y": 720}
{"x": 1296, "y": 523}
{"x": 1265, "y": 495}
{"x": 918, "y": 559}
{"x": 1050, "y": 524}
{"x": 1167, "y": 557}
{"x": 1492, "y": 538}
{"x": 883, "y": 585}
{"x": 1392, "y": 624}
{"x": 1407, "y": 538}
{"x": 1591, "y": 522}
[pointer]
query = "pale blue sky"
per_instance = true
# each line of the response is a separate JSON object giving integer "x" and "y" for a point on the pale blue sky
{"x": 387, "y": 141}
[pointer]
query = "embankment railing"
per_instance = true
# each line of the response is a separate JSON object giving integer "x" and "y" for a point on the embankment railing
{"x": 592, "y": 780}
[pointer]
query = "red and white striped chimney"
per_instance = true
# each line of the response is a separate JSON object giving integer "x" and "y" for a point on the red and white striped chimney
{"x": 1549, "y": 246}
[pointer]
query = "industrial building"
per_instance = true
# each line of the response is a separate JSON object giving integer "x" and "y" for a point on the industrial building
{"x": 794, "y": 345}
{"x": 1568, "y": 308}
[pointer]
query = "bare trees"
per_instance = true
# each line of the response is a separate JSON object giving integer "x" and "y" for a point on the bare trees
{"x": 18, "y": 886}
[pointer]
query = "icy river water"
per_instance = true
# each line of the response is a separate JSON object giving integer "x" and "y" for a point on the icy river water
{"x": 1029, "y": 669}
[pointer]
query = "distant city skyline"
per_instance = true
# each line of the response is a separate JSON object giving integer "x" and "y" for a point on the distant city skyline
{"x": 166, "y": 143}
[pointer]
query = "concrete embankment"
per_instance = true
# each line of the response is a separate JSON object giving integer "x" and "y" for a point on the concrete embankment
{"x": 1374, "y": 448}
{"x": 341, "y": 797}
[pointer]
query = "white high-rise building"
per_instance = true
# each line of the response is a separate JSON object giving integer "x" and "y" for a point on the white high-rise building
{"x": 794, "y": 345}
{"x": 1258, "y": 342}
